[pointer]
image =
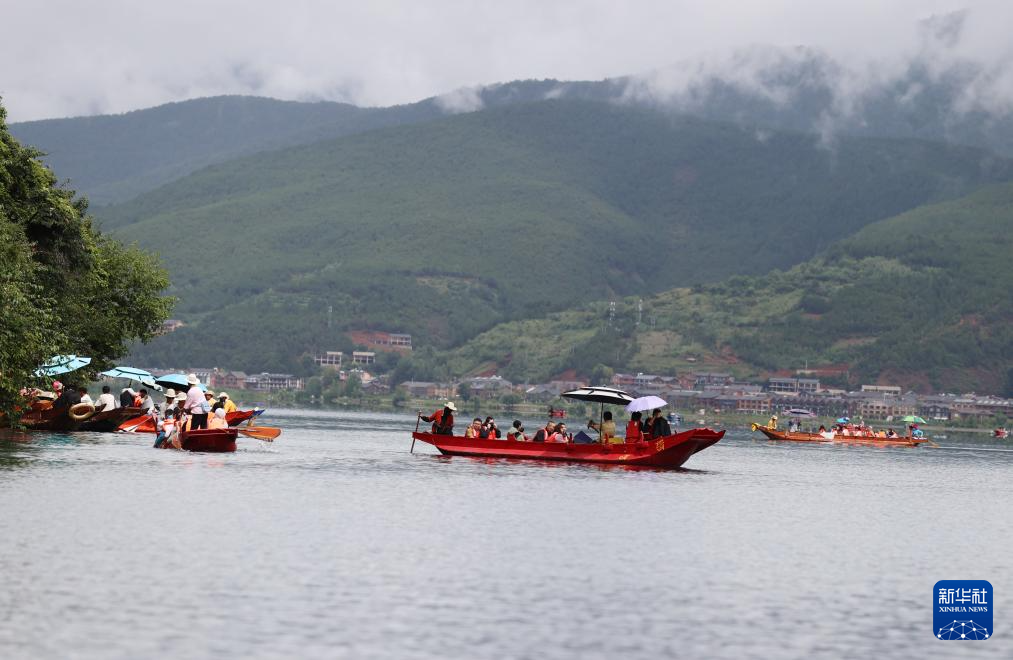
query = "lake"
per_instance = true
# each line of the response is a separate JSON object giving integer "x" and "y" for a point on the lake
{"x": 334, "y": 541}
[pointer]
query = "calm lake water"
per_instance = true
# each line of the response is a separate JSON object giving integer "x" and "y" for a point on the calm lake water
{"x": 334, "y": 541}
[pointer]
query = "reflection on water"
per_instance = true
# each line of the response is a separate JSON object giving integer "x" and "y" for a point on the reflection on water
{"x": 334, "y": 540}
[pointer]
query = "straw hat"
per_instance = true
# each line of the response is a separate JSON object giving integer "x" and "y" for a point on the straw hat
{"x": 223, "y": 395}
{"x": 170, "y": 394}
{"x": 450, "y": 406}
{"x": 180, "y": 397}
{"x": 191, "y": 379}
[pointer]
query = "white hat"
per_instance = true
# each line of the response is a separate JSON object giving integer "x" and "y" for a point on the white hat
{"x": 223, "y": 395}
{"x": 170, "y": 394}
{"x": 450, "y": 405}
{"x": 191, "y": 379}
{"x": 180, "y": 397}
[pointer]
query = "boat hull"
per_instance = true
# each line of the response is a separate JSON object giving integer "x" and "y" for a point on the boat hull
{"x": 108, "y": 421}
{"x": 795, "y": 436}
{"x": 219, "y": 441}
{"x": 668, "y": 452}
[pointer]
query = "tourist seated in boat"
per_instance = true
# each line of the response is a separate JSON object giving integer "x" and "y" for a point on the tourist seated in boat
{"x": 146, "y": 401}
{"x": 170, "y": 422}
{"x": 85, "y": 397}
{"x": 772, "y": 423}
{"x": 217, "y": 420}
{"x": 443, "y": 420}
{"x": 489, "y": 429}
{"x": 560, "y": 434}
{"x": 890, "y": 433}
{"x": 543, "y": 434}
{"x": 607, "y": 430}
{"x": 209, "y": 397}
{"x": 106, "y": 401}
{"x": 635, "y": 428}
{"x": 127, "y": 395}
{"x": 659, "y": 427}
{"x": 225, "y": 402}
{"x": 474, "y": 429}
{"x": 516, "y": 432}
{"x": 68, "y": 397}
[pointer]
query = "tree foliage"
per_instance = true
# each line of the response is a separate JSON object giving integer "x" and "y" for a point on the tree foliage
{"x": 64, "y": 287}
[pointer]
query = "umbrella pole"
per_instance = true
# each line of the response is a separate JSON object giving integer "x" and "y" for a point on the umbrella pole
{"x": 601, "y": 420}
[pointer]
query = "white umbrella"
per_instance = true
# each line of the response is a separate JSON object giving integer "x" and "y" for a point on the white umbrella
{"x": 646, "y": 403}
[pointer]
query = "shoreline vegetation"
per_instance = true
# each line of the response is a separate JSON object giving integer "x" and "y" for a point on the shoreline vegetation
{"x": 65, "y": 287}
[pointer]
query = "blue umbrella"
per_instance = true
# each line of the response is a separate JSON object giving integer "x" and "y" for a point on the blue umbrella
{"x": 176, "y": 381}
{"x": 62, "y": 364}
{"x": 843, "y": 420}
{"x": 129, "y": 373}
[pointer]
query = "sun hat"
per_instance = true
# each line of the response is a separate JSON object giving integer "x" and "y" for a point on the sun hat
{"x": 223, "y": 395}
{"x": 209, "y": 393}
{"x": 170, "y": 394}
{"x": 450, "y": 406}
{"x": 181, "y": 397}
{"x": 191, "y": 379}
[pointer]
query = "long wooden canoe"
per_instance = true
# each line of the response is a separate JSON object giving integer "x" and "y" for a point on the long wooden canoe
{"x": 668, "y": 452}
{"x": 797, "y": 436}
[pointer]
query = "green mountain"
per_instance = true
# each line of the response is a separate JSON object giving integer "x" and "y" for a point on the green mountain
{"x": 921, "y": 299}
{"x": 112, "y": 158}
{"x": 445, "y": 228}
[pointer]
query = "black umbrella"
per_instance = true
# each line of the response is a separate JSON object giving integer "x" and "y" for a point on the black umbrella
{"x": 600, "y": 395}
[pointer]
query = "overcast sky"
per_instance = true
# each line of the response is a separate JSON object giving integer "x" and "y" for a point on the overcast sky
{"x": 67, "y": 57}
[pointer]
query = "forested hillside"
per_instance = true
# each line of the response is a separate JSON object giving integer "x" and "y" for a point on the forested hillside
{"x": 922, "y": 299}
{"x": 444, "y": 229}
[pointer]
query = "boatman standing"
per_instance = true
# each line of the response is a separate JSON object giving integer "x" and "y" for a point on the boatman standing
{"x": 443, "y": 420}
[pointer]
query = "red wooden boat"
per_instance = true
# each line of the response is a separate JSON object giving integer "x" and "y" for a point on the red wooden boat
{"x": 798, "y": 436}
{"x": 145, "y": 423}
{"x": 108, "y": 421}
{"x": 207, "y": 440}
{"x": 668, "y": 452}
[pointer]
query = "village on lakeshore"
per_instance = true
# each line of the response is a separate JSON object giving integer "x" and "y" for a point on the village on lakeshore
{"x": 355, "y": 376}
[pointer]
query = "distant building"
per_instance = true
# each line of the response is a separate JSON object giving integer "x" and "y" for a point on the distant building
{"x": 427, "y": 390}
{"x": 363, "y": 357}
{"x": 382, "y": 341}
{"x": 329, "y": 359}
{"x": 171, "y": 325}
{"x": 704, "y": 379}
{"x": 796, "y": 385}
{"x": 227, "y": 380}
{"x": 884, "y": 389}
{"x": 267, "y": 382}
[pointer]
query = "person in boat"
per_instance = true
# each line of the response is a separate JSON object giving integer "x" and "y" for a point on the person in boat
{"x": 474, "y": 429}
{"x": 226, "y": 402}
{"x": 127, "y": 395}
{"x": 217, "y": 420}
{"x": 516, "y": 432}
{"x": 106, "y": 401}
{"x": 489, "y": 429}
{"x": 69, "y": 397}
{"x": 146, "y": 402}
{"x": 660, "y": 427}
{"x": 607, "y": 428}
{"x": 196, "y": 406}
{"x": 635, "y": 428}
{"x": 443, "y": 420}
{"x": 543, "y": 434}
{"x": 560, "y": 434}
{"x": 890, "y": 433}
{"x": 85, "y": 397}
{"x": 772, "y": 423}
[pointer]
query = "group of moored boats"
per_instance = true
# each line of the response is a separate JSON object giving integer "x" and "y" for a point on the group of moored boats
{"x": 42, "y": 416}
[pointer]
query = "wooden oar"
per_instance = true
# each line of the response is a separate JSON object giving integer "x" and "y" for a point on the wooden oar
{"x": 268, "y": 433}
